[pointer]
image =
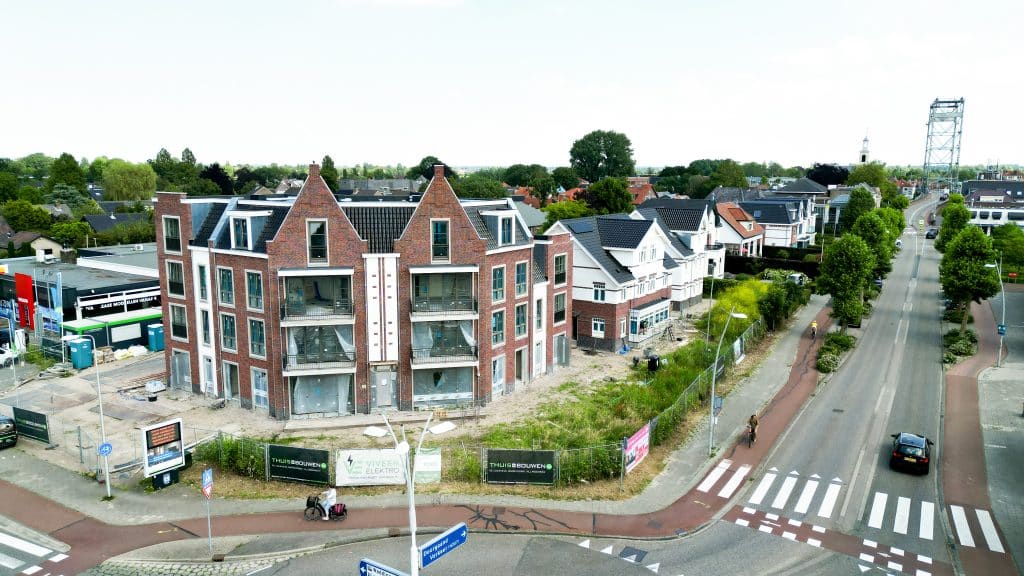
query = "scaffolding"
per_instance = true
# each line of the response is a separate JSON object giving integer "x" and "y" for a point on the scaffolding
{"x": 942, "y": 148}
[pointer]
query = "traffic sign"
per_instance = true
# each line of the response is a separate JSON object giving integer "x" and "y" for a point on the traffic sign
{"x": 1001, "y": 329}
{"x": 368, "y": 567}
{"x": 718, "y": 404}
{"x": 105, "y": 449}
{"x": 444, "y": 543}
{"x": 208, "y": 483}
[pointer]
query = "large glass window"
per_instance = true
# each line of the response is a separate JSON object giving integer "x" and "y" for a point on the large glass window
{"x": 498, "y": 327}
{"x": 521, "y": 321}
{"x": 175, "y": 279}
{"x": 316, "y": 240}
{"x": 227, "y": 286}
{"x": 598, "y": 291}
{"x": 498, "y": 283}
{"x": 254, "y": 283}
{"x": 560, "y": 269}
{"x": 260, "y": 398}
{"x": 228, "y": 335}
{"x": 506, "y": 231}
{"x": 202, "y": 282}
{"x": 240, "y": 233}
{"x": 179, "y": 322}
{"x": 559, "y": 308}
{"x": 172, "y": 234}
{"x": 439, "y": 240}
{"x": 257, "y": 338}
{"x": 521, "y": 278}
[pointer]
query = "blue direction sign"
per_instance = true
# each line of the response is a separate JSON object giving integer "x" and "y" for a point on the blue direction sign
{"x": 105, "y": 449}
{"x": 1001, "y": 329}
{"x": 368, "y": 567}
{"x": 443, "y": 544}
{"x": 208, "y": 483}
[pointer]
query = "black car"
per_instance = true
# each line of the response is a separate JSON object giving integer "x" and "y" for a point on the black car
{"x": 931, "y": 234}
{"x": 8, "y": 432}
{"x": 910, "y": 452}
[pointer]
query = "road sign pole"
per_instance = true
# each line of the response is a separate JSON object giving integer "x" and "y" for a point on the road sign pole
{"x": 208, "y": 492}
{"x": 209, "y": 528}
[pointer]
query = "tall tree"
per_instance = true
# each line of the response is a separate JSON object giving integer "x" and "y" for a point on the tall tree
{"x": 729, "y": 174}
{"x": 861, "y": 202}
{"x": 828, "y": 174}
{"x": 601, "y": 154}
{"x": 894, "y": 220}
{"x": 329, "y": 173}
{"x": 22, "y": 215}
{"x": 962, "y": 271}
{"x": 95, "y": 172}
{"x": 37, "y": 165}
{"x": 543, "y": 187}
{"x": 65, "y": 170}
{"x": 70, "y": 233}
{"x": 955, "y": 217}
{"x": 609, "y": 196}
{"x": 79, "y": 204}
{"x": 845, "y": 270}
{"x": 875, "y": 233}
{"x": 565, "y": 177}
{"x": 214, "y": 173}
{"x": 566, "y": 210}
{"x": 1008, "y": 241}
{"x": 426, "y": 169}
{"x": 187, "y": 157}
{"x": 127, "y": 181}
{"x": 703, "y": 167}
{"x": 872, "y": 174}
{"x": 475, "y": 186}
{"x": 8, "y": 187}
{"x": 521, "y": 174}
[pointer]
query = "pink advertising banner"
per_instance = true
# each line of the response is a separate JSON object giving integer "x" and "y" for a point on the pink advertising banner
{"x": 636, "y": 447}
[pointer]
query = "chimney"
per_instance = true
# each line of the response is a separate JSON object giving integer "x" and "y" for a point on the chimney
{"x": 438, "y": 170}
{"x": 314, "y": 170}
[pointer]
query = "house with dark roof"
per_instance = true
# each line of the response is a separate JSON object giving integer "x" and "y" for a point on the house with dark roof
{"x": 311, "y": 306}
{"x": 741, "y": 234}
{"x": 788, "y": 222}
{"x": 105, "y": 222}
{"x": 624, "y": 275}
{"x": 697, "y": 225}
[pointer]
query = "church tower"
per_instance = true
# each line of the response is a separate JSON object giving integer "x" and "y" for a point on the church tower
{"x": 864, "y": 151}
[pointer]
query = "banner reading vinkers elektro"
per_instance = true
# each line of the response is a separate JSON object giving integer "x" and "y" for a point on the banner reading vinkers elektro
{"x": 298, "y": 464}
{"x": 32, "y": 425}
{"x": 520, "y": 466}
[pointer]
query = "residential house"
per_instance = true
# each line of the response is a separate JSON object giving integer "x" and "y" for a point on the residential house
{"x": 696, "y": 224}
{"x": 741, "y": 234}
{"x": 788, "y": 222}
{"x": 106, "y": 222}
{"x": 642, "y": 193}
{"x": 310, "y": 306}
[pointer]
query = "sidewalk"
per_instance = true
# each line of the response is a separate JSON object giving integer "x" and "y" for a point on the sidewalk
{"x": 775, "y": 390}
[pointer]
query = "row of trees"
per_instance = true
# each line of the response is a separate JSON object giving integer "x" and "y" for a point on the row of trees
{"x": 967, "y": 271}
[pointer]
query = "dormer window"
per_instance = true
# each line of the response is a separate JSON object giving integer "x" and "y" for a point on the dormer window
{"x": 240, "y": 233}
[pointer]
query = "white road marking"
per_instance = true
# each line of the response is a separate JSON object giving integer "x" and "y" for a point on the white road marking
{"x": 607, "y": 550}
{"x": 922, "y": 573}
{"x": 762, "y": 488}
{"x": 747, "y": 510}
{"x": 963, "y": 530}
{"x": 814, "y": 542}
{"x": 31, "y": 570}
{"x": 849, "y": 491}
{"x": 818, "y": 529}
{"x": 804, "y": 502}
{"x": 742, "y": 522}
{"x": 878, "y": 510}
{"x": 653, "y": 567}
{"x": 871, "y": 543}
{"x": 57, "y": 558}
{"x": 896, "y": 551}
{"x": 23, "y": 545}
{"x": 867, "y": 557}
{"x": 763, "y": 528}
{"x": 895, "y": 566}
{"x": 771, "y": 516}
{"x": 789, "y": 536}
{"x": 927, "y": 520}
{"x": 784, "y": 492}
{"x": 924, "y": 559}
{"x": 988, "y": 529}
{"x": 585, "y": 543}
{"x": 734, "y": 482}
{"x": 902, "y": 515}
{"x": 9, "y": 562}
{"x": 829, "y": 502}
{"x": 796, "y": 523}
{"x": 714, "y": 476}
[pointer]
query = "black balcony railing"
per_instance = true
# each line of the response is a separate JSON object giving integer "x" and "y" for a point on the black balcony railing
{"x": 434, "y": 354}
{"x": 318, "y": 360}
{"x": 428, "y": 305}
{"x": 316, "y": 309}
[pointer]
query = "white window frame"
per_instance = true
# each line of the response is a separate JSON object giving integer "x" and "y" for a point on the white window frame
{"x": 310, "y": 260}
{"x": 622, "y": 328}
{"x": 248, "y": 292}
{"x": 181, "y": 267}
{"x": 538, "y": 314}
{"x": 177, "y": 223}
{"x": 524, "y": 288}
{"x": 500, "y": 331}
{"x": 203, "y": 272}
{"x": 599, "y": 291}
{"x": 223, "y": 332}
{"x": 597, "y": 327}
{"x": 554, "y": 309}
{"x": 252, "y": 351}
{"x": 204, "y": 320}
{"x": 498, "y": 295}
{"x": 257, "y": 393}
{"x": 498, "y": 372}
{"x": 502, "y": 222}
{"x": 184, "y": 316}
{"x": 220, "y": 286}
{"x": 526, "y": 320}
{"x": 564, "y": 257}
{"x": 243, "y": 243}
{"x": 447, "y": 257}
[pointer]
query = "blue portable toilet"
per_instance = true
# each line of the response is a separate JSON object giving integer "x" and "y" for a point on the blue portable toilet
{"x": 156, "y": 337}
{"x": 81, "y": 353}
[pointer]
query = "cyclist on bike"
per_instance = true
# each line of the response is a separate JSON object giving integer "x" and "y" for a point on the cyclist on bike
{"x": 327, "y": 499}
{"x": 752, "y": 425}
{"x": 814, "y": 329}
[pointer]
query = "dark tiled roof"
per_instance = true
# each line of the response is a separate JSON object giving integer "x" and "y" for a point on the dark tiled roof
{"x": 805, "y": 185}
{"x": 206, "y": 229}
{"x": 723, "y": 194}
{"x": 104, "y": 223}
{"x": 380, "y": 226}
{"x": 539, "y": 274}
{"x": 270, "y": 227}
{"x": 770, "y": 212}
{"x": 677, "y": 243}
{"x": 621, "y": 231}
{"x": 668, "y": 262}
{"x": 586, "y": 232}
{"x": 522, "y": 237}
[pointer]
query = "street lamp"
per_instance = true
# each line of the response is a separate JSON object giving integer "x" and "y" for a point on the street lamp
{"x": 99, "y": 397}
{"x": 410, "y": 485}
{"x": 10, "y": 347}
{"x": 1002, "y": 297}
{"x": 714, "y": 377}
{"x": 711, "y": 299}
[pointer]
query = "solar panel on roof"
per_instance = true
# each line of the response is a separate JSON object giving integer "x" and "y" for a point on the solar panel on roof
{"x": 582, "y": 226}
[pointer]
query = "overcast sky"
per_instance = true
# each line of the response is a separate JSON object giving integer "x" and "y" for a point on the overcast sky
{"x": 495, "y": 82}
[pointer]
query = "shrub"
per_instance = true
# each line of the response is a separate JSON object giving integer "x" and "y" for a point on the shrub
{"x": 827, "y": 363}
{"x": 962, "y": 347}
{"x": 948, "y": 357}
{"x": 839, "y": 341}
{"x": 956, "y": 316}
{"x": 782, "y": 254}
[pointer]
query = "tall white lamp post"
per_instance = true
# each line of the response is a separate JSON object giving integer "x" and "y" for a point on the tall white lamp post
{"x": 410, "y": 486}
{"x": 1002, "y": 297}
{"x": 714, "y": 376}
{"x": 11, "y": 347}
{"x": 99, "y": 398}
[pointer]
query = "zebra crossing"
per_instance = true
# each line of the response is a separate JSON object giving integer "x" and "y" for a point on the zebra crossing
{"x": 19, "y": 556}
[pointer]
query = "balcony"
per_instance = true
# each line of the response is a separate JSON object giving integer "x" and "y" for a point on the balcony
{"x": 317, "y": 298}
{"x": 316, "y": 310}
{"x": 443, "y": 304}
{"x": 318, "y": 361}
{"x": 444, "y": 354}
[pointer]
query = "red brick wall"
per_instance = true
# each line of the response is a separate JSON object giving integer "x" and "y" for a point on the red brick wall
{"x": 169, "y": 204}
{"x": 560, "y": 244}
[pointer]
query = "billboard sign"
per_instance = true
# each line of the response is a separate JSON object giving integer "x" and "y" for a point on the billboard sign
{"x": 163, "y": 447}
{"x": 376, "y": 467}
{"x": 636, "y": 446}
{"x": 428, "y": 466}
{"x": 520, "y": 467}
{"x": 32, "y": 425}
{"x": 297, "y": 464}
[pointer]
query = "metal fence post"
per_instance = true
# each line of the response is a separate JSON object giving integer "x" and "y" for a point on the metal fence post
{"x": 81, "y": 454}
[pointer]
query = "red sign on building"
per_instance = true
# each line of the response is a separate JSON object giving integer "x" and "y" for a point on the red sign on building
{"x": 26, "y": 300}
